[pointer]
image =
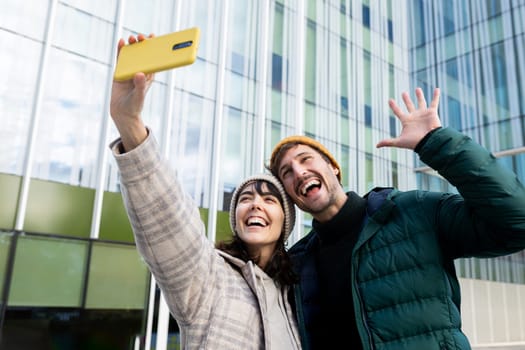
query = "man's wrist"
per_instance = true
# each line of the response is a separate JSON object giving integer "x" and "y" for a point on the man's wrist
{"x": 425, "y": 138}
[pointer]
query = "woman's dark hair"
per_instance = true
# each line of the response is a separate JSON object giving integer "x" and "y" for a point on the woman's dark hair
{"x": 280, "y": 266}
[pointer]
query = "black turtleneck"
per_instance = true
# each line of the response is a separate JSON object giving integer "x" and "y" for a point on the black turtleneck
{"x": 336, "y": 324}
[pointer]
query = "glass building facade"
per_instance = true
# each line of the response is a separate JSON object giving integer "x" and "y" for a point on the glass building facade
{"x": 265, "y": 69}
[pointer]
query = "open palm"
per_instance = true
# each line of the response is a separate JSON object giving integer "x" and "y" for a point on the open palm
{"x": 416, "y": 122}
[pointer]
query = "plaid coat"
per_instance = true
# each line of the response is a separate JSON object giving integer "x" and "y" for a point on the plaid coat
{"x": 215, "y": 298}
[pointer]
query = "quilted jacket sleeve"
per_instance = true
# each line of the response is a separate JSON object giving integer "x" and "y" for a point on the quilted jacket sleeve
{"x": 168, "y": 230}
{"x": 488, "y": 219}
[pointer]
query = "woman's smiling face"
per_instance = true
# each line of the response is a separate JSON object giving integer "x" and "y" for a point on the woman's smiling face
{"x": 259, "y": 216}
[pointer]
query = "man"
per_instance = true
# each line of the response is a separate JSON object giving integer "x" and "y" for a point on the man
{"x": 377, "y": 271}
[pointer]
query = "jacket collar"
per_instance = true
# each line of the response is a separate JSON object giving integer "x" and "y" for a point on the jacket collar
{"x": 379, "y": 208}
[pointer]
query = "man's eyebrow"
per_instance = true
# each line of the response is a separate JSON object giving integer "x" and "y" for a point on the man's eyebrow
{"x": 307, "y": 151}
{"x": 302, "y": 153}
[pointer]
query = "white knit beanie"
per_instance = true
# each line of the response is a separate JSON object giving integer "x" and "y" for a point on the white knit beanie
{"x": 288, "y": 206}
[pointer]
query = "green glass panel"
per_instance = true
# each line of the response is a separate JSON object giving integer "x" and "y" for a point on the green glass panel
{"x": 310, "y": 63}
{"x": 118, "y": 278}
{"x": 309, "y": 118}
{"x": 59, "y": 209}
{"x": 48, "y": 272}
{"x": 391, "y": 53}
{"x": 391, "y": 81}
{"x": 345, "y": 166}
{"x": 369, "y": 145}
{"x": 367, "y": 80}
{"x": 276, "y": 105}
{"x": 344, "y": 68}
{"x": 367, "y": 44}
{"x": 311, "y": 9}
{"x": 275, "y": 138}
{"x": 345, "y": 131}
{"x": 5, "y": 243}
{"x": 278, "y": 30}
{"x": 395, "y": 177}
{"x": 369, "y": 171}
{"x": 342, "y": 19}
{"x": 9, "y": 188}
{"x": 114, "y": 222}
{"x": 224, "y": 231}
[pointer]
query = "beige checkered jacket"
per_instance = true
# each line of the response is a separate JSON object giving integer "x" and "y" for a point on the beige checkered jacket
{"x": 213, "y": 296}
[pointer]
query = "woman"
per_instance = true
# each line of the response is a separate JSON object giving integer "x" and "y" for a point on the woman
{"x": 232, "y": 297}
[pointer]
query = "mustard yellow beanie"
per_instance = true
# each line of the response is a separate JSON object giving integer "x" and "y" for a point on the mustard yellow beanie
{"x": 303, "y": 140}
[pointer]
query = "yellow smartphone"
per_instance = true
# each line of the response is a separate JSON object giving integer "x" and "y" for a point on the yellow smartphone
{"x": 158, "y": 53}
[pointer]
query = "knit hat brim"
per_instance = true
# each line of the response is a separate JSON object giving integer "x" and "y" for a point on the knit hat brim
{"x": 288, "y": 206}
{"x": 303, "y": 140}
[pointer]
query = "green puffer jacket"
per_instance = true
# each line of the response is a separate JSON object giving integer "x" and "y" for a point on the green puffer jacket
{"x": 405, "y": 291}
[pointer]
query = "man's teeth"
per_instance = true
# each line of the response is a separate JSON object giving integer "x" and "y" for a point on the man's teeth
{"x": 308, "y": 185}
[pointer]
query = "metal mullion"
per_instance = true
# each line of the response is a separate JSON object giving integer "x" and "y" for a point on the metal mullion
{"x": 102, "y": 146}
{"x": 218, "y": 125}
{"x": 35, "y": 119}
